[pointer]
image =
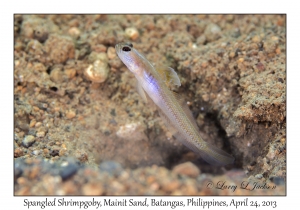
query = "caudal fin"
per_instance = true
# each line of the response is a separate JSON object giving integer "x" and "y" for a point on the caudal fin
{"x": 211, "y": 154}
{"x": 215, "y": 156}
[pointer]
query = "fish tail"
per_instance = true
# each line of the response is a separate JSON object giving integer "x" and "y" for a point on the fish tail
{"x": 215, "y": 156}
{"x": 211, "y": 154}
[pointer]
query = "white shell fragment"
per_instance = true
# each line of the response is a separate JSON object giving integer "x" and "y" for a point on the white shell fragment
{"x": 97, "y": 72}
{"x": 132, "y": 131}
{"x": 132, "y": 33}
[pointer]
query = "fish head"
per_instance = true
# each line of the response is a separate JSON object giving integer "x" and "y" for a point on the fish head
{"x": 130, "y": 57}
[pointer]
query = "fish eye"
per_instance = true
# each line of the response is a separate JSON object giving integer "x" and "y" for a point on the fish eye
{"x": 126, "y": 49}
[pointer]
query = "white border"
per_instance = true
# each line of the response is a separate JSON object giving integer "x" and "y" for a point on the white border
{"x": 8, "y": 8}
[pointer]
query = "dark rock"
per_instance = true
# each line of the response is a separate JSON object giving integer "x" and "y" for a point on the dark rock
{"x": 18, "y": 170}
{"x": 277, "y": 180}
{"x": 54, "y": 151}
{"x": 28, "y": 140}
{"x": 69, "y": 170}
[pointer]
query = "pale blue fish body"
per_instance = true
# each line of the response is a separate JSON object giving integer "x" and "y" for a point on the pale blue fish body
{"x": 152, "y": 83}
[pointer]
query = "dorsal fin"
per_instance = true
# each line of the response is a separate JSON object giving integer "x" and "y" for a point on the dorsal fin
{"x": 168, "y": 75}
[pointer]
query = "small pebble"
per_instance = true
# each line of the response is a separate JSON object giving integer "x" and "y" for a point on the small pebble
{"x": 94, "y": 56}
{"x": 271, "y": 154}
{"x": 170, "y": 185}
{"x": 132, "y": 33}
{"x": 188, "y": 169}
{"x": 69, "y": 187}
{"x": 56, "y": 75}
{"x": 74, "y": 31}
{"x": 82, "y": 157}
{"x": 205, "y": 97}
{"x": 39, "y": 67}
{"x": 38, "y": 124}
{"x": 62, "y": 152}
{"x": 34, "y": 172}
{"x": 258, "y": 176}
{"x": 70, "y": 114}
{"x": 154, "y": 186}
{"x": 36, "y": 152}
{"x": 92, "y": 189}
{"x": 111, "y": 53}
{"x": 190, "y": 189}
{"x": 32, "y": 123}
{"x": 40, "y": 134}
{"x": 201, "y": 39}
{"x": 231, "y": 54}
{"x": 177, "y": 192}
{"x": 278, "y": 51}
{"x": 28, "y": 141}
{"x": 117, "y": 187}
{"x": 46, "y": 151}
{"x": 274, "y": 38}
{"x": 22, "y": 180}
{"x": 70, "y": 73}
{"x": 99, "y": 48}
{"x": 212, "y": 32}
{"x": 204, "y": 64}
{"x": 18, "y": 152}
{"x": 241, "y": 60}
{"x": 256, "y": 39}
{"x": 260, "y": 66}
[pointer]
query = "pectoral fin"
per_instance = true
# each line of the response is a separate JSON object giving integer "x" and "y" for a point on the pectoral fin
{"x": 141, "y": 91}
{"x": 145, "y": 96}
